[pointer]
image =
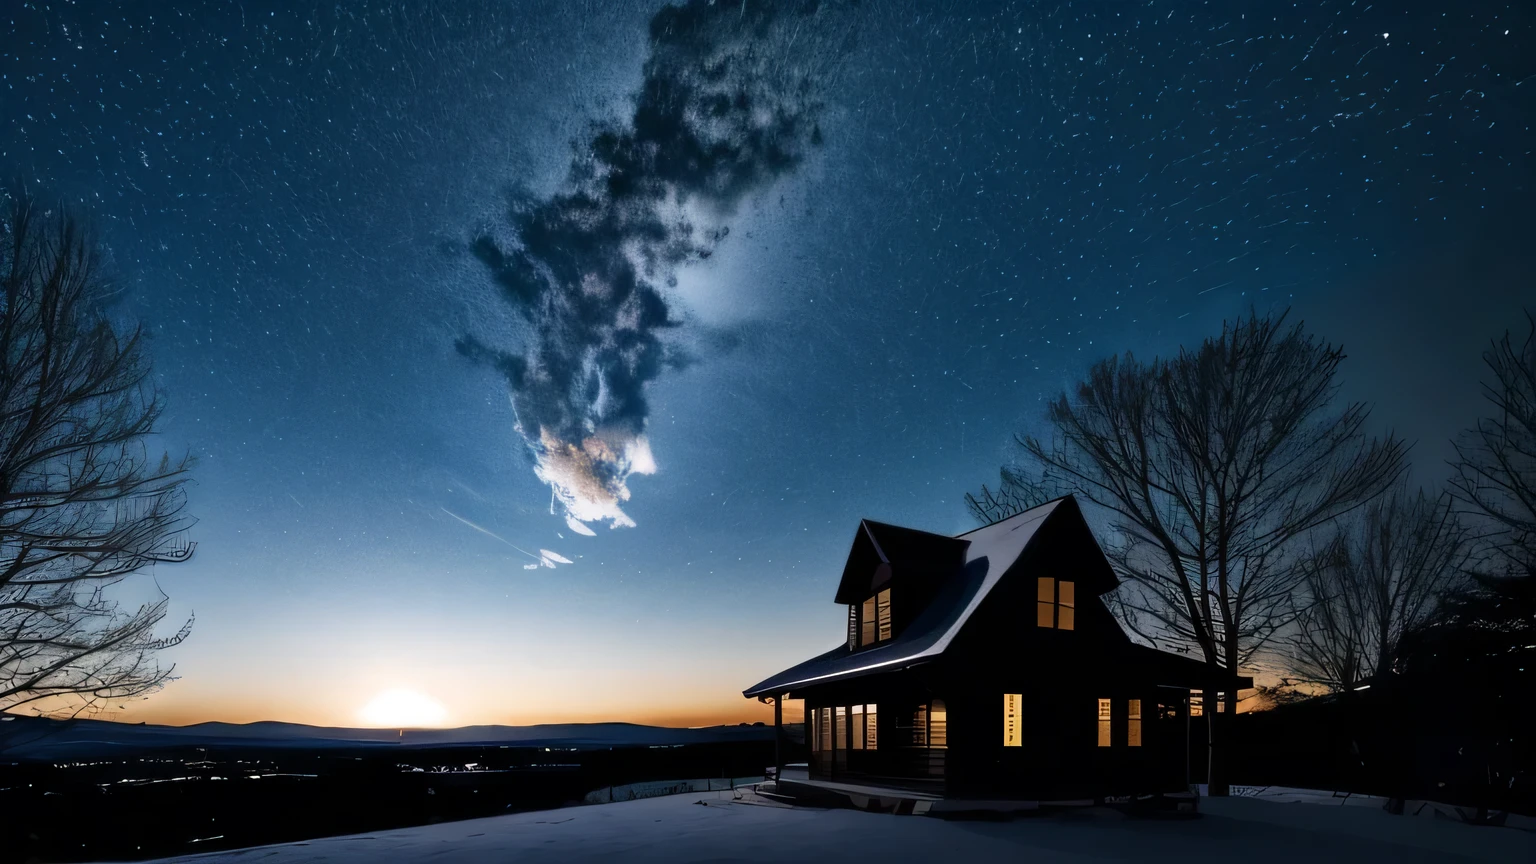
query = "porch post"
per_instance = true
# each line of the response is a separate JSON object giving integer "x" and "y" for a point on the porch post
{"x": 1187, "y": 735}
{"x": 778, "y": 737}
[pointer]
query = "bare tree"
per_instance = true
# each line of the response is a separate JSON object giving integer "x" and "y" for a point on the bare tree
{"x": 1495, "y": 464}
{"x": 1211, "y": 466}
{"x": 83, "y": 506}
{"x": 1377, "y": 578}
{"x": 1016, "y": 492}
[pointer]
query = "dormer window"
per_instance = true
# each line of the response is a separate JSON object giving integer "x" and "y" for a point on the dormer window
{"x": 870, "y": 622}
{"x": 1055, "y": 603}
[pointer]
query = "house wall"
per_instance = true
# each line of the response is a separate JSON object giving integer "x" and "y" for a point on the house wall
{"x": 1059, "y": 757}
{"x": 1061, "y": 676}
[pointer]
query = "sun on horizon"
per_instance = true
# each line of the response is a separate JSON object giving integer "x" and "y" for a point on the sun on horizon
{"x": 405, "y": 709}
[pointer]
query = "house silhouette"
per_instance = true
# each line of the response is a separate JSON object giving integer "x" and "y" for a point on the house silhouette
{"x": 987, "y": 666}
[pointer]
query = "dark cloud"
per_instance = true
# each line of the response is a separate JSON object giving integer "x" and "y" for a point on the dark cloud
{"x": 728, "y": 105}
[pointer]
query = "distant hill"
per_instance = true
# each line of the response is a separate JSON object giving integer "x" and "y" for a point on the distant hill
{"x": 33, "y": 739}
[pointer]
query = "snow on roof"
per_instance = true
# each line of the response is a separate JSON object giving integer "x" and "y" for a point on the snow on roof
{"x": 992, "y": 551}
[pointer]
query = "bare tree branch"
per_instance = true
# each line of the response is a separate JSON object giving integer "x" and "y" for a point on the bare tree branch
{"x": 1495, "y": 465}
{"x": 1377, "y": 578}
{"x": 83, "y": 506}
{"x": 1212, "y": 467}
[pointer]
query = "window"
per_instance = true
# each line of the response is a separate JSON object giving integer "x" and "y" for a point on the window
{"x": 883, "y": 613}
{"x": 1012, "y": 719}
{"x": 1055, "y": 604}
{"x": 1133, "y": 718}
{"x": 1196, "y": 703}
{"x": 930, "y": 725}
{"x": 863, "y": 720}
{"x": 1045, "y": 602}
{"x": 843, "y": 728}
{"x": 853, "y": 626}
{"x": 874, "y": 621}
{"x": 1104, "y": 718}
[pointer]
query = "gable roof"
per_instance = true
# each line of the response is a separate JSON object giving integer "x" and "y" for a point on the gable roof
{"x": 877, "y": 547}
{"x": 990, "y": 552}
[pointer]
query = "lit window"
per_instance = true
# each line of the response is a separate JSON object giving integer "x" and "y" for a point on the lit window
{"x": 870, "y": 621}
{"x": 1133, "y": 718}
{"x": 883, "y": 613}
{"x": 1012, "y": 719}
{"x": 1045, "y": 602}
{"x": 920, "y": 726}
{"x": 858, "y": 727}
{"x": 870, "y": 715}
{"x": 840, "y": 729}
{"x": 826, "y": 729}
{"x": 938, "y": 725}
{"x": 1055, "y": 604}
{"x": 815, "y": 729}
{"x": 1196, "y": 703}
{"x": 1104, "y": 718}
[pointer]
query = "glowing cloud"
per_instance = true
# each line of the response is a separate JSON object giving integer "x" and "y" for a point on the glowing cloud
{"x": 727, "y": 106}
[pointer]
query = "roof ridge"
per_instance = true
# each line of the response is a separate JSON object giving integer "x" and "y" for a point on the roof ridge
{"x": 1041, "y": 506}
{"x": 879, "y": 550}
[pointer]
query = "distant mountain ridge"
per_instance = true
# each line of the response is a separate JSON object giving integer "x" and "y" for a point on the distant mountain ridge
{"x": 33, "y": 739}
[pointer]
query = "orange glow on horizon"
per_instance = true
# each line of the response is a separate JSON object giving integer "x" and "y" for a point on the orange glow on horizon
{"x": 724, "y": 713}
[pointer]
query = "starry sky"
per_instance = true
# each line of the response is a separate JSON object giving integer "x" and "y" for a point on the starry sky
{"x": 423, "y": 349}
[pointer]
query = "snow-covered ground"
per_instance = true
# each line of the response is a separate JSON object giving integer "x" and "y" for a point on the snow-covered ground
{"x": 712, "y": 827}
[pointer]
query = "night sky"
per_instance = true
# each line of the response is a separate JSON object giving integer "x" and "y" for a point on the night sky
{"x": 376, "y": 264}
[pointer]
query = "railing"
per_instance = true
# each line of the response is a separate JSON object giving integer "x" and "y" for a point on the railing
{"x": 921, "y": 764}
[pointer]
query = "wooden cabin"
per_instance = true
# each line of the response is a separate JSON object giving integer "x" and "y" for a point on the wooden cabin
{"x": 987, "y": 666}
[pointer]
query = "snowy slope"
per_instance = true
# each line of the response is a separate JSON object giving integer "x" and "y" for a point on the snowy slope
{"x": 678, "y": 830}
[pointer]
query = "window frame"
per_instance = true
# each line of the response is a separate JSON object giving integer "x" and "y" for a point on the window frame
{"x": 1052, "y": 610}
{"x": 1013, "y": 712}
{"x": 869, "y": 621}
{"x": 941, "y": 740}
